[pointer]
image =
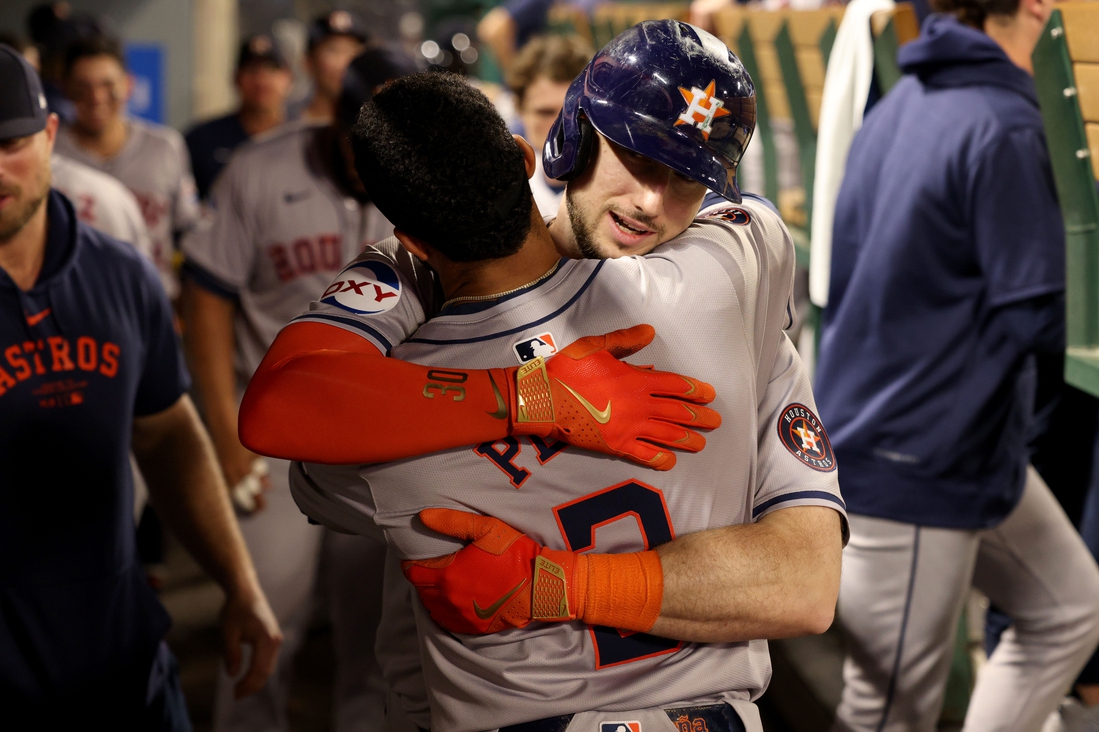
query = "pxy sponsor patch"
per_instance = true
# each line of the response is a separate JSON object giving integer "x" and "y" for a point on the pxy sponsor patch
{"x": 529, "y": 349}
{"x": 804, "y": 436}
{"x": 365, "y": 288}
{"x": 619, "y": 727}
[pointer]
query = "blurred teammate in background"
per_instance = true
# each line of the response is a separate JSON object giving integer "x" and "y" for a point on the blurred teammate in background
{"x": 151, "y": 160}
{"x": 52, "y": 27}
{"x": 334, "y": 40}
{"x": 92, "y": 367}
{"x": 539, "y": 79}
{"x": 287, "y": 213}
{"x": 940, "y": 298}
{"x": 263, "y": 82}
{"x": 508, "y": 27}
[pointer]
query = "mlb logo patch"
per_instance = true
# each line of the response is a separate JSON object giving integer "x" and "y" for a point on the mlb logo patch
{"x": 531, "y": 348}
{"x": 619, "y": 727}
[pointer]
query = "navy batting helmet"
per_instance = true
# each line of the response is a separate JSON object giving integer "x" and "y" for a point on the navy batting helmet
{"x": 666, "y": 90}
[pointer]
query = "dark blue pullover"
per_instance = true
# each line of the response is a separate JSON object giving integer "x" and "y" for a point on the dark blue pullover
{"x": 947, "y": 276}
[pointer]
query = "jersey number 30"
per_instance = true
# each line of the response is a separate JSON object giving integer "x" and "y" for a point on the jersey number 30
{"x": 578, "y": 521}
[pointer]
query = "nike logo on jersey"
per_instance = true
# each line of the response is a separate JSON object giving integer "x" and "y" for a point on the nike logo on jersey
{"x": 33, "y": 320}
{"x": 488, "y": 612}
{"x": 602, "y": 416}
{"x": 295, "y": 197}
{"x": 501, "y": 409}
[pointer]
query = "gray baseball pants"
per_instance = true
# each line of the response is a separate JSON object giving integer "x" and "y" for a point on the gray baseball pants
{"x": 903, "y": 590}
{"x": 296, "y": 562}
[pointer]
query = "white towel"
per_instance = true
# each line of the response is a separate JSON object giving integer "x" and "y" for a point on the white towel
{"x": 846, "y": 87}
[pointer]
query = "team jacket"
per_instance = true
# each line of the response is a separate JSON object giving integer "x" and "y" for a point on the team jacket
{"x": 948, "y": 265}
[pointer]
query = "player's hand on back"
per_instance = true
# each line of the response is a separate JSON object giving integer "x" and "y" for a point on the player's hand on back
{"x": 588, "y": 397}
{"x": 504, "y": 579}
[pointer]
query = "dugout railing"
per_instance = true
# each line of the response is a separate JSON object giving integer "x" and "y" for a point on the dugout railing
{"x": 1066, "y": 73}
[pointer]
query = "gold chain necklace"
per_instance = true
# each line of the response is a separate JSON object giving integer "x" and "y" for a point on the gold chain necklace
{"x": 498, "y": 295}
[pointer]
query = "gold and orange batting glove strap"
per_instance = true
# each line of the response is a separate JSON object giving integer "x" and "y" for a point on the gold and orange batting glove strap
{"x": 504, "y": 579}
{"x": 625, "y": 591}
{"x": 621, "y": 591}
{"x": 588, "y": 397}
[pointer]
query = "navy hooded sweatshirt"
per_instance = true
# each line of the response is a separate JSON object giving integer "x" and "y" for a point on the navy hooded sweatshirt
{"x": 947, "y": 276}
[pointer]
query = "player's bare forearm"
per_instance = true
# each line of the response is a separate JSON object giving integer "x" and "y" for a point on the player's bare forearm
{"x": 187, "y": 489}
{"x": 325, "y": 395}
{"x": 777, "y": 578}
{"x": 210, "y": 345}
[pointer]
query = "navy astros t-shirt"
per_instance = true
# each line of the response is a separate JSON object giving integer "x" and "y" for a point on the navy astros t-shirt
{"x": 89, "y": 347}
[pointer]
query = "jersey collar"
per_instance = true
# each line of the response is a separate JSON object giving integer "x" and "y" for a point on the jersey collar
{"x": 468, "y": 308}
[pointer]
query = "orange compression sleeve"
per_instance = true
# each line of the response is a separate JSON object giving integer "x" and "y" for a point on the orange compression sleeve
{"x": 623, "y": 591}
{"x": 325, "y": 395}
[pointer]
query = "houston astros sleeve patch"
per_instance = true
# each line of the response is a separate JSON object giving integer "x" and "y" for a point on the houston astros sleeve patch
{"x": 732, "y": 214}
{"x": 804, "y": 436}
{"x": 365, "y": 288}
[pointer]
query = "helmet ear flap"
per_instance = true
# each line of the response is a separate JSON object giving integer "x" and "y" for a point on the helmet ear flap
{"x": 583, "y": 148}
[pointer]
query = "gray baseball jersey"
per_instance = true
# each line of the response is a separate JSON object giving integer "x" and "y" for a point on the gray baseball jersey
{"x": 278, "y": 231}
{"x": 101, "y": 202}
{"x": 155, "y": 166}
{"x": 718, "y": 297}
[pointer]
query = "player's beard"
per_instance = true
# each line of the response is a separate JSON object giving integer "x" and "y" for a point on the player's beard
{"x": 26, "y": 205}
{"x": 584, "y": 229}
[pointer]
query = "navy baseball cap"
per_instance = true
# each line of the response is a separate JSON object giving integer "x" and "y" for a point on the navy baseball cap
{"x": 260, "y": 49}
{"x": 23, "y": 109}
{"x": 336, "y": 23}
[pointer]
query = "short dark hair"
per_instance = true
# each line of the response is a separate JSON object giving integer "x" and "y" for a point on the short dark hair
{"x": 975, "y": 12}
{"x": 558, "y": 58}
{"x": 98, "y": 45}
{"x": 439, "y": 163}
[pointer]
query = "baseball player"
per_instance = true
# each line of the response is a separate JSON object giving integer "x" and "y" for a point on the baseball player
{"x": 734, "y": 283}
{"x": 90, "y": 368}
{"x": 940, "y": 297}
{"x": 288, "y": 212}
{"x": 101, "y": 202}
{"x": 608, "y": 174}
{"x": 539, "y": 79}
{"x": 334, "y": 39}
{"x": 263, "y": 80}
{"x": 150, "y": 160}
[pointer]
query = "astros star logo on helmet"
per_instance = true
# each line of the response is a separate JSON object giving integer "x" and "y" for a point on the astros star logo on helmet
{"x": 702, "y": 108}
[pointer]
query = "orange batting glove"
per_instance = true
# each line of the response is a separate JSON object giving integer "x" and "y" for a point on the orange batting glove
{"x": 587, "y": 397}
{"x": 504, "y": 579}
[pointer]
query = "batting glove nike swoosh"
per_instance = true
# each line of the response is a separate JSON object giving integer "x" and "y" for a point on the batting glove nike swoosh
{"x": 504, "y": 579}
{"x": 588, "y": 397}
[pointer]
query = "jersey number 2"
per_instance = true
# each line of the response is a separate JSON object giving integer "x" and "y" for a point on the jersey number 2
{"x": 578, "y": 521}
